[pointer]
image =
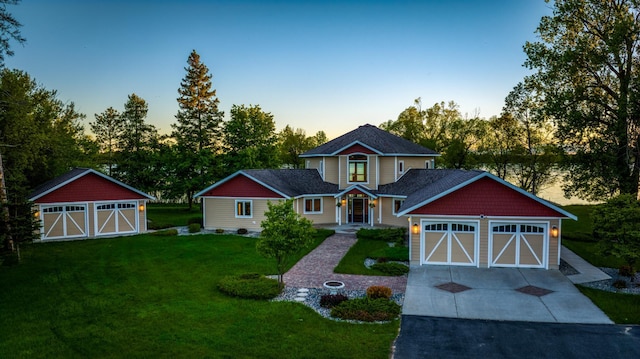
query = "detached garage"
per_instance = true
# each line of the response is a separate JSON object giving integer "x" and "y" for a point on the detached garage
{"x": 473, "y": 218}
{"x": 84, "y": 203}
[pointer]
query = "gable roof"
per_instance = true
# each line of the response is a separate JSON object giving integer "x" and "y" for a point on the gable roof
{"x": 450, "y": 181}
{"x": 74, "y": 174}
{"x": 286, "y": 182}
{"x": 373, "y": 138}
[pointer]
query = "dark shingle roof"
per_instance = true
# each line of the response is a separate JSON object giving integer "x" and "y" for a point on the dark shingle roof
{"x": 293, "y": 182}
{"x": 373, "y": 137}
{"x": 420, "y": 185}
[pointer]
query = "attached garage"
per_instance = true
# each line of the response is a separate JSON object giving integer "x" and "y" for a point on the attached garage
{"x": 450, "y": 243}
{"x": 476, "y": 219}
{"x": 85, "y": 203}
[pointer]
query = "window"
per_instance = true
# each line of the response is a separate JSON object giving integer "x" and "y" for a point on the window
{"x": 313, "y": 205}
{"x": 400, "y": 167}
{"x": 427, "y": 164}
{"x": 357, "y": 168}
{"x": 397, "y": 203}
{"x": 320, "y": 165}
{"x": 436, "y": 227}
{"x": 458, "y": 227}
{"x": 243, "y": 209}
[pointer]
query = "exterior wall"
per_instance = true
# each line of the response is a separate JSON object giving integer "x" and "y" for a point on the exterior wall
{"x": 343, "y": 172}
{"x": 387, "y": 169}
{"x": 388, "y": 218}
{"x": 328, "y": 214}
{"x": 90, "y": 187}
{"x": 221, "y": 213}
{"x": 389, "y": 166}
{"x": 331, "y": 170}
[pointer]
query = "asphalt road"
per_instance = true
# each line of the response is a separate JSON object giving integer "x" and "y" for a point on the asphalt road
{"x": 431, "y": 337}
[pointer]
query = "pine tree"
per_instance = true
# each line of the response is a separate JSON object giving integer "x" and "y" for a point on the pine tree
{"x": 108, "y": 129}
{"x": 197, "y": 132}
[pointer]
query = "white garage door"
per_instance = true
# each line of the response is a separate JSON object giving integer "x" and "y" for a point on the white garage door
{"x": 450, "y": 243}
{"x": 116, "y": 218}
{"x": 518, "y": 245}
{"x": 64, "y": 221}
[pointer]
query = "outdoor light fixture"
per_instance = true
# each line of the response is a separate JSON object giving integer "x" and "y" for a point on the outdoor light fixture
{"x": 416, "y": 228}
{"x": 344, "y": 201}
{"x": 37, "y": 214}
{"x": 554, "y": 232}
{"x": 141, "y": 207}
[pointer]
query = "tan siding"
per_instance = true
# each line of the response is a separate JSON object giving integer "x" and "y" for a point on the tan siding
{"x": 373, "y": 172}
{"x": 414, "y": 162}
{"x": 142, "y": 227}
{"x": 91, "y": 226}
{"x": 221, "y": 213}
{"x": 328, "y": 214}
{"x": 553, "y": 244}
{"x": 388, "y": 217}
{"x": 415, "y": 248}
{"x": 342, "y": 172}
{"x": 331, "y": 169}
{"x": 387, "y": 168}
{"x": 483, "y": 251}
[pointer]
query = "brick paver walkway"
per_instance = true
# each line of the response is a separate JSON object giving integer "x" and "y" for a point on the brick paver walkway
{"x": 317, "y": 267}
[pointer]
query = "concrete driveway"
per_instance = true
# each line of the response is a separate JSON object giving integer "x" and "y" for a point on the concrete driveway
{"x": 530, "y": 295}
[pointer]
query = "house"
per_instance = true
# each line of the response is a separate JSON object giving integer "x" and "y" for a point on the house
{"x": 85, "y": 203}
{"x": 371, "y": 177}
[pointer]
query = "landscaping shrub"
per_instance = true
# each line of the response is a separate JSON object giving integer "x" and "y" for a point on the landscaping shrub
{"x": 219, "y": 230}
{"x": 382, "y": 260}
{"x": 620, "y": 284}
{"x": 579, "y": 236}
{"x": 242, "y": 231}
{"x": 626, "y": 271}
{"x": 331, "y": 300}
{"x": 250, "y": 285}
{"x": 367, "y": 310}
{"x": 379, "y": 291}
{"x": 166, "y": 232}
{"x": 193, "y": 220}
{"x": 385, "y": 234}
{"x": 391, "y": 268}
{"x": 194, "y": 228}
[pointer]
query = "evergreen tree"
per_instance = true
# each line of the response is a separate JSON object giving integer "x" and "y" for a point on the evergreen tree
{"x": 108, "y": 129}
{"x": 197, "y": 132}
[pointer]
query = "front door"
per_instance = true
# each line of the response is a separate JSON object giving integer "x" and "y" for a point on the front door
{"x": 359, "y": 210}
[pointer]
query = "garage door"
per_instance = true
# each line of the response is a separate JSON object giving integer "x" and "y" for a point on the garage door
{"x": 450, "y": 243}
{"x": 116, "y": 218}
{"x": 518, "y": 245}
{"x": 64, "y": 221}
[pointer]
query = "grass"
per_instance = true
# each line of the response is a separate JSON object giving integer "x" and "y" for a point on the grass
{"x": 146, "y": 296}
{"x": 577, "y": 236}
{"x": 353, "y": 261}
{"x": 171, "y": 215}
{"x": 621, "y": 308}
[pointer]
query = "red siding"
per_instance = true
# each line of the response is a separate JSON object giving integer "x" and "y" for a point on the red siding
{"x": 355, "y": 191}
{"x": 242, "y": 186}
{"x": 87, "y": 188}
{"x": 489, "y": 197}
{"x": 357, "y": 148}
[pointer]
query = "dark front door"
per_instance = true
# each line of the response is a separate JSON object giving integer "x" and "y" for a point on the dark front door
{"x": 359, "y": 210}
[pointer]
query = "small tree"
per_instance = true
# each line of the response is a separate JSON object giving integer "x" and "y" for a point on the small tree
{"x": 617, "y": 225}
{"x": 284, "y": 232}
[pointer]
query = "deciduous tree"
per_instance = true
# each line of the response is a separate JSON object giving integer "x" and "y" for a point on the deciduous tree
{"x": 617, "y": 225}
{"x": 9, "y": 30}
{"x": 284, "y": 232}
{"x": 108, "y": 129}
{"x": 587, "y": 69}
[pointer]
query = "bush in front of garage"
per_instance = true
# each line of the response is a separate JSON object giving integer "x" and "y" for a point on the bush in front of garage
{"x": 194, "y": 228}
{"x": 367, "y": 310}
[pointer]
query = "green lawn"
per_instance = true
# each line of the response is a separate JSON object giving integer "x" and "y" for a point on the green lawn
{"x": 621, "y": 308}
{"x": 171, "y": 215}
{"x": 353, "y": 261}
{"x": 150, "y": 296}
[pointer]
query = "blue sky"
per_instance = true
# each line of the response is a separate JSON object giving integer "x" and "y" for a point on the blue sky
{"x": 316, "y": 65}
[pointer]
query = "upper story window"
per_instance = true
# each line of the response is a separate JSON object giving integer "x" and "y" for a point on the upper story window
{"x": 427, "y": 164}
{"x": 358, "y": 168}
{"x": 400, "y": 167}
{"x": 397, "y": 203}
{"x": 320, "y": 167}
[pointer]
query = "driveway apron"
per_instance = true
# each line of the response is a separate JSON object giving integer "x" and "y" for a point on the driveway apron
{"x": 532, "y": 295}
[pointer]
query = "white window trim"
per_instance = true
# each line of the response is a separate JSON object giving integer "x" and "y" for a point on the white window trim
{"x": 393, "y": 207}
{"x": 366, "y": 181}
{"x": 427, "y": 164}
{"x": 313, "y": 199}
{"x": 401, "y": 167}
{"x": 235, "y": 208}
